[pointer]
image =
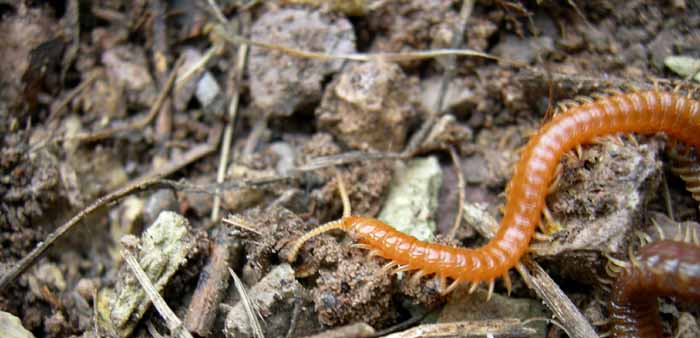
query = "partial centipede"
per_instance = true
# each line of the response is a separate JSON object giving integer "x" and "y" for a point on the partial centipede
{"x": 641, "y": 112}
{"x": 663, "y": 268}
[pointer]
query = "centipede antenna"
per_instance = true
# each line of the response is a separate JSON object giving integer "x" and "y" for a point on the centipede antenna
{"x": 343, "y": 195}
{"x": 507, "y": 281}
{"x": 337, "y": 224}
{"x": 488, "y": 295}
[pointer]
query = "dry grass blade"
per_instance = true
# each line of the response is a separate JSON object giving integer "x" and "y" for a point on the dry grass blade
{"x": 388, "y": 57}
{"x": 174, "y": 323}
{"x": 239, "y": 222}
{"x": 251, "y": 309}
{"x": 460, "y": 187}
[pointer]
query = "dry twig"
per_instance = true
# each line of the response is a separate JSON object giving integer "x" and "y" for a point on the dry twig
{"x": 134, "y": 125}
{"x": 460, "y": 187}
{"x": 232, "y": 112}
{"x": 145, "y": 182}
{"x": 573, "y": 322}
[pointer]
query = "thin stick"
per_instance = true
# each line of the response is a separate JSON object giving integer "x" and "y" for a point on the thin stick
{"x": 460, "y": 187}
{"x": 138, "y": 124}
{"x": 58, "y": 108}
{"x": 172, "y": 321}
{"x": 143, "y": 183}
{"x": 539, "y": 281}
{"x": 228, "y": 132}
{"x": 457, "y": 39}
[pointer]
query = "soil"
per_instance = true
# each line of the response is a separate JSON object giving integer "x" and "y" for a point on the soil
{"x": 77, "y": 78}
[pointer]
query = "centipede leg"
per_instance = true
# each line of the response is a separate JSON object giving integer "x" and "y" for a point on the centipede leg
{"x": 361, "y": 246}
{"x": 417, "y": 276}
{"x": 402, "y": 268}
{"x": 374, "y": 252}
{"x": 473, "y": 287}
{"x": 442, "y": 285}
{"x": 387, "y": 267}
{"x": 508, "y": 283}
{"x": 662, "y": 235}
{"x": 557, "y": 178}
{"x": 452, "y": 286}
{"x": 490, "y": 293}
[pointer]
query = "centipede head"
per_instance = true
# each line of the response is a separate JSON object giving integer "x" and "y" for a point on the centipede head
{"x": 337, "y": 224}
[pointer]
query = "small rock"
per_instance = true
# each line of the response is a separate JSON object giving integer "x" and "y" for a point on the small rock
{"x": 457, "y": 96}
{"x": 513, "y": 48}
{"x": 49, "y": 276}
{"x": 601, "y": 197}
{"x": 413, "y": 197}
{"x": 687, "y": 326}
{"x": 280, "y": 83}
{"x": 286, "y": 154}
{"x": 11, "y": 327}
{"x": 369, "y": 106}
{"x": 209, "y": 93}
{"x": 684, "y": 66}
{"x": 355, "y": 292}
{"x": 661, "y": 48}
{"x": 87, "y": 287}
{"x": 463, "y": 306}
{"x": 275, "y": 295}
{"x": 127, "y": 67}
{"x": 164, "y": 247}
{"x": 157, "y": 202}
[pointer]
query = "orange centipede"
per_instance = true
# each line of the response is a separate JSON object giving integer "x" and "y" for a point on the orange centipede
{"x": 644, "y": 112}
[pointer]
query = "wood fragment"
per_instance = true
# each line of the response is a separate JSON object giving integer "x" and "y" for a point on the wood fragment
{"x": 212, "y": 284}
{"x": 507, "y": 327}
{"x": 356, "y": 330}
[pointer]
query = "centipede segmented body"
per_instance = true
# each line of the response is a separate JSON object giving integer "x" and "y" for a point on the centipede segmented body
{"x": 641, "y": 112}
{"x": 663, "y": 268}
